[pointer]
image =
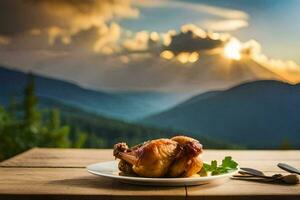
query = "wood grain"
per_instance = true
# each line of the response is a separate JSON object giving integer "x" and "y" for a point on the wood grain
{"x": 80, "y": 158}
{"x": 58, "y": 158}
{"x": 235, "y": 189}
{"x": 60, "y": 174}
{"x": 72, "y": 182}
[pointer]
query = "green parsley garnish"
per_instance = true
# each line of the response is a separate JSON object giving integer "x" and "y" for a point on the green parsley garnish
{"x": 227, "y": 165}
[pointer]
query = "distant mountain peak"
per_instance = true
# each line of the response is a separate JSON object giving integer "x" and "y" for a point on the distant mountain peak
{"x": 259, "y": 114}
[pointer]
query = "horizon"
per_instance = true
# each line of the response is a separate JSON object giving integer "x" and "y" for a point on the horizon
{"x": 189, "y": 96}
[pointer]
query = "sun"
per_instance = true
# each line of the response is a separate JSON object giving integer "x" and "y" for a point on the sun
{"x": 232, "y": 49}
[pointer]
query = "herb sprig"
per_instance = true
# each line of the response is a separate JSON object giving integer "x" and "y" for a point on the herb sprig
{"x": 227, "y": 165}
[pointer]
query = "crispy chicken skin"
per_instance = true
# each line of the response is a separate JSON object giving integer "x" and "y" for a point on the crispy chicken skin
{"x": 175, "y": 157}
{"x": 187, "y": 161}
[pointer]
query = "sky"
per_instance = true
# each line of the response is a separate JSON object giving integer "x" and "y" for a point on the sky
{"x": 274, "y": 23}
{"x": 153, "y": 45}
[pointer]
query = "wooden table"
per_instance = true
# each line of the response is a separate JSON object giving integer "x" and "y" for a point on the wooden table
{"x": 61, "y": 174}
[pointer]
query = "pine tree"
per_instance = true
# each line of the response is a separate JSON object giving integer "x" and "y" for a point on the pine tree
{"x": 53, "y": 134}
{"x": 12, "y": 107}
{"x": 31, "y": 115}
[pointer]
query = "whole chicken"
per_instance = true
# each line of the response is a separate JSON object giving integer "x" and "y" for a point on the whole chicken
{"x": 175, "y": 157}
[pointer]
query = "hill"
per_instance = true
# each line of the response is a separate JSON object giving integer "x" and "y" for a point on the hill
{"x": 112, "y": 130}
{"x": 123, "y": 105}
{"x": 260, "y": 114}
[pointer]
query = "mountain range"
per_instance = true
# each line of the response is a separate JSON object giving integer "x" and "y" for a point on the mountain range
{"x": 260, "y": 114}
{"x": 102, "y": 131}
{"x": 127, "y": 106}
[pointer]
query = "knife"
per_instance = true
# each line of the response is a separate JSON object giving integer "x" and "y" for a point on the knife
{"x": 288, "y": 168}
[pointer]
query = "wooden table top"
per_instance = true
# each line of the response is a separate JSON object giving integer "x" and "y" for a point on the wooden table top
{"x": 60, "y": 174}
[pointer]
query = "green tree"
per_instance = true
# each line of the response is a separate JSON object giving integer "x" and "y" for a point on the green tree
{"x": 31, "y": 113}
{"x": 12, "y": 107}
{"x": 31, "y": 123}
{"x": 80, "y": 139}
{"x": 5, "y": 141}
{"x": 30, "y": 127}
{"x": 52, "y": 134}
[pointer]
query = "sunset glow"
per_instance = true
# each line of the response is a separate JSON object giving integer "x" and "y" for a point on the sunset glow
{"x": 183, "y": 57}
{"x": 167, "y": 55}
{"x": 213, "y": 46}
{"x": 232, "y": 49}
{"x": 193, "y": 57}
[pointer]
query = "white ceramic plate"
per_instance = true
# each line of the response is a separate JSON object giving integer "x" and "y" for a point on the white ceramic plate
{"x": 110, "y": 170}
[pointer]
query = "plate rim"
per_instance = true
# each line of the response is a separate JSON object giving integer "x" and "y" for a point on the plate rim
{"x": 146, "y": 179}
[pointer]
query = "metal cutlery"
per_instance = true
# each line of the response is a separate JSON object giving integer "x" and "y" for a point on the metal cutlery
{"x": 250, "y": 174}
{"x": 288, "y": 168}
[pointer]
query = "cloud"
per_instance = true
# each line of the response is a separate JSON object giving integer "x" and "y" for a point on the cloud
{"x": 56, "y": 32}
{"x": 139, "y": 42}
{"x": 187, "y": 60}
{"x": 214, "y": 10}
{"x": 192, "y": 38}
{"x": 198, "y": 7}
{"x": 223, "y": 19}
{"x": 107, "y": 37}
{"x": 83, "y": 15}
{"x": 143, "y": 42}
{"x": 61, "y": 20}
{"x": 83, "y": 41}
{"x": 225, "y": 25}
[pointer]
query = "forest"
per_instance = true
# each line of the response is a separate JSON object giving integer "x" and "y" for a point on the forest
{"x": 25, "y": 123}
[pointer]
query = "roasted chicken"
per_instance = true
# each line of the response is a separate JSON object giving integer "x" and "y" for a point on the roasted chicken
{"x": 175, "y": 157}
